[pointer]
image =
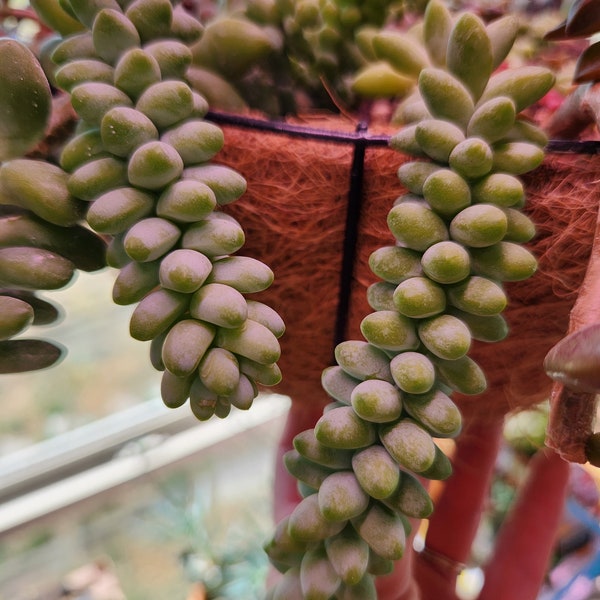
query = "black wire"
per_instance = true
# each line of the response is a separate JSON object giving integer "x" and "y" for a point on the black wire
{"x": 355, "y": 195}
{"x": 573, "y": 147}
{"x": 361, "y": 140}
{"x": 360, "y": 136}
{"x": 300, "y": 131}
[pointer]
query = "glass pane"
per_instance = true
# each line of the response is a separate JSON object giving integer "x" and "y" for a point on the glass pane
{"x": 202, "y": 519}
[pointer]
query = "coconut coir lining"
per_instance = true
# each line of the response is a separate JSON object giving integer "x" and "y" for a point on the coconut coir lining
{"x": 294, "y": 216}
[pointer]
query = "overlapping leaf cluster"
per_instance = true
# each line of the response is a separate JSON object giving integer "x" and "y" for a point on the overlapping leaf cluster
{"x": 582, "y": 21}
{"x": 459, "y": 234}
{"x": 42, "y": 240}
{"x": 139, "y": 168}
{"x": 578, "y": 114}
{"x": 281, "y": 56}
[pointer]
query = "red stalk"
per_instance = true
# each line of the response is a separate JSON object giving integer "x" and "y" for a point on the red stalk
{"x": 457, "y": 515}
{"x": 526, "y": 539}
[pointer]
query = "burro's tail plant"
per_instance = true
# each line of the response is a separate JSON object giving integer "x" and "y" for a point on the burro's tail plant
{"x": 459, "y": 230}
{"x": 139, "y": 169}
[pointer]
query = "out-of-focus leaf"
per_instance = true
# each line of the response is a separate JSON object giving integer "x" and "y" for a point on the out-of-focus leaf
{"x": 231, "y": 46}
{"x": 575, "y": 360}
{"x": 20, "y": 356}
{"x": 217, "y": 90}
{"x": 558, "y": 33}
{"x": 84, "y": 248}
{"x": 54, "y": 16}
{"x": 583, "y": 18}
{"x": 380, "y": 80}
{"x": 587, "y": 67}
{"x": 44, "y": 312}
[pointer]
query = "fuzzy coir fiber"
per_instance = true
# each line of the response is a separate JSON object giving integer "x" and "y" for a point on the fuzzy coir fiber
{"x": 294, "y": 216}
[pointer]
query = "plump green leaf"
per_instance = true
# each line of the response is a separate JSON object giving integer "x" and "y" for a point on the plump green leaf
{"x": 470, "y": 55}
{"x": 25, "y": 100}
{"x": 437, "y": 23}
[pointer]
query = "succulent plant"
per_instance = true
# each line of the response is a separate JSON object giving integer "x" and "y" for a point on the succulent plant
{"x": 42, "y": 243}
{"x": 459, "y": 232}
{"x": 281, "y": 56}
{"x": 139, "y": 169}
{"x": 582, "y": 21}
{"x": 580, "y": 109}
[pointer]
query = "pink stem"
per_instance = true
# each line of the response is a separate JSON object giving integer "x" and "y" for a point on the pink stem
{"x": 526, "y": 539}
{"x": 457, "y": 515}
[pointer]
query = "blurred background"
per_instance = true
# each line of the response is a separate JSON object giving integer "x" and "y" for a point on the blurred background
{"x": 106, "y": 494}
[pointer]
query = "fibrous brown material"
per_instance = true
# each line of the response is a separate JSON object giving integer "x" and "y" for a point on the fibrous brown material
{"x": 294, "y": 214}
{"x": 563, "y": 202}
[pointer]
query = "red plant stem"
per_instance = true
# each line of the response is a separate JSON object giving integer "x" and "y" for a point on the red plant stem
{"x": 526, "y": 539}
{"x": 18, "y": 13}
{"x": 401, "y": 583}
{"x": 572, "y": 413}
{"x": 457, "y": 516}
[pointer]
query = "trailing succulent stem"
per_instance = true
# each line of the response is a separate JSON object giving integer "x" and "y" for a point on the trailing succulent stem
{"x": 459, "y": 232}
{"x": 139, "y": 168}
